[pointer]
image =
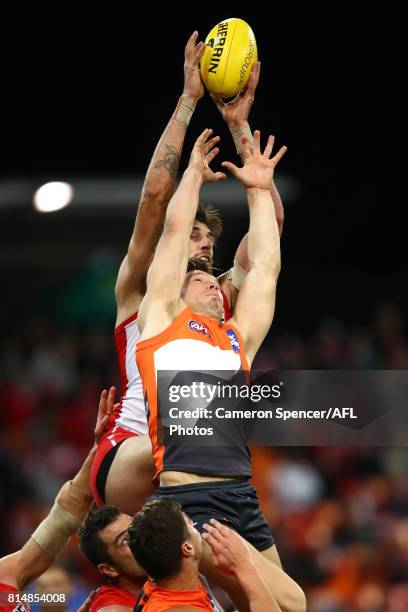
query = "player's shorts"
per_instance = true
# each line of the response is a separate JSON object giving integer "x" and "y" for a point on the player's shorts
{"x": 105, "y": 454}
{"x": 232, "y": 502}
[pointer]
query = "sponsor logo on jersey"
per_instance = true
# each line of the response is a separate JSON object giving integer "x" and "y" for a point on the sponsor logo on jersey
{"x": 198, "y": 327}
{"x": 234, "y": 340}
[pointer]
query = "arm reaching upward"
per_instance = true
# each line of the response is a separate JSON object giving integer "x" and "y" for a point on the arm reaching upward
{"x": 162, "y": 302}
{"x": 158, "y": 188}
{"x": 235, "y": 115}
{"x": 256, "y": 300}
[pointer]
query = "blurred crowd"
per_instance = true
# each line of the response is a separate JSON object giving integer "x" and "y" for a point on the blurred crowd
{"x": 339, "y": 515}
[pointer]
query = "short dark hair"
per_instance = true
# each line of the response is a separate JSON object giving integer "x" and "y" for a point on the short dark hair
{"x": 93, "y": 547}
{"x": 196, "y": 263}
{"x": 211, "y": 217}
{"x": 156, "y": 534}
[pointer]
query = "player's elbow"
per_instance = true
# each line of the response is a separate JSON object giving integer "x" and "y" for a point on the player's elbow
{"x": 292, "y": 599}
{"x": 156, "y": 191}
{"x": 296, "y": 600}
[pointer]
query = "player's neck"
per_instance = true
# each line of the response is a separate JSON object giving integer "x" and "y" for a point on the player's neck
{"x": 209, "y": 315}
{"x": 187, "y": 579}
{"x": 132, "y": 586}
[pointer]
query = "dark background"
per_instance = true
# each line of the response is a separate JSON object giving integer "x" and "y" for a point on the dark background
{"x": 88, "y": 93}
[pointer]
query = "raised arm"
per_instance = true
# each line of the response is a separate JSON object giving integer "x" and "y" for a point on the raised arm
{"x": 235, "y": 115}
{"x": 71, "y": 504}
{"x": 162, "y": 302}
{"x": 256, "y": 300}
{"x": 158, "y": 188}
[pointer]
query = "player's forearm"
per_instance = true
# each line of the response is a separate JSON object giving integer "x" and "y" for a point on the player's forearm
{"x": 263, "y": 235}
{"x": 278, "y": 206}
{"x": 161, "y": 174}
{"x": 259, "y": 596}
{"x": 239, "y": 129}
{"x": 70, "y": 507}
{"x": 162, "y": 170}
{"x": 167, "y": 271}
{"x": 183, "y": 205}
{"x": 63, "y": 520}
{"x": 77, "y": 496}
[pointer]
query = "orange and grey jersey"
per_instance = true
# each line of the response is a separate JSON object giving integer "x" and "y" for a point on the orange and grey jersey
{"x": 191, "y": 344}
{"x": 154, "y": 598}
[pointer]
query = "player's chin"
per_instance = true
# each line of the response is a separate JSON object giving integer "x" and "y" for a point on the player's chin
{"x": 215, "y": 306}
{"x": 206, "y": 258}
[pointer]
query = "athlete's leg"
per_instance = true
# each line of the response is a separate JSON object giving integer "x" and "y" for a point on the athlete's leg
{"x": 287, "y": 593}
{"x": 129, "y": 481}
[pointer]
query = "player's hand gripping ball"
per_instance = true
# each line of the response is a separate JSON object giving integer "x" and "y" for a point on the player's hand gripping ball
{"x": 228, "y": 58}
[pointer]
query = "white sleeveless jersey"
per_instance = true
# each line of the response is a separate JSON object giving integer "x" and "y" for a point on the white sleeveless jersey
{"x": 131, "y": 412}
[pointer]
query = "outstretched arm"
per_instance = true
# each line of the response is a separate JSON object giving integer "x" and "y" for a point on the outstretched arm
{"x": 71, "y": 504}
{"x": 235, "y": 115}
{"x": 162, "y": 302}
{"x": 158, "y": 188}
{"x": 256, "y": 300}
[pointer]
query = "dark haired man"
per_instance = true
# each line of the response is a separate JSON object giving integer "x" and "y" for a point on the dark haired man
{"x": 165, "y": 542}
{"x": 103, "y": 539}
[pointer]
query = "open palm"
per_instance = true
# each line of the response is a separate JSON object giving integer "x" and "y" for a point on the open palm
{"x": 202, "y": 155}
{"x": 258, "y": 167}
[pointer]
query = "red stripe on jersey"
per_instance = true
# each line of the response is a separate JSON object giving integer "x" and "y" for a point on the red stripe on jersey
{"x": 122, "y": 325}
{"x": 121, "y": 347}
{"x": 227, "y": 307}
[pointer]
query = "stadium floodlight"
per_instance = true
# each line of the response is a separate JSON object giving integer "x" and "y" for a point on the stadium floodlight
{"x": 53, "y": 196}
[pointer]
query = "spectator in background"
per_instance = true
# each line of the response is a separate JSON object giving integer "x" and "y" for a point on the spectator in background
{"x": 45, "y": 544}
{"x": 55, "y": 580}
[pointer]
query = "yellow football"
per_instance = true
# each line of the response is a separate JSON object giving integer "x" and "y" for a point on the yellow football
{"x": 228, "y": 58}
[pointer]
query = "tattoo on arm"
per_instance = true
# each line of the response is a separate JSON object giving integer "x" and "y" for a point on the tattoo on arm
{"x": 170, "y": 161}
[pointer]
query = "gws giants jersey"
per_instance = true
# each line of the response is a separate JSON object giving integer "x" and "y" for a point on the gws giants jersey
{"x": 192, "y": 343}
{"x": 156, "y": 599}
